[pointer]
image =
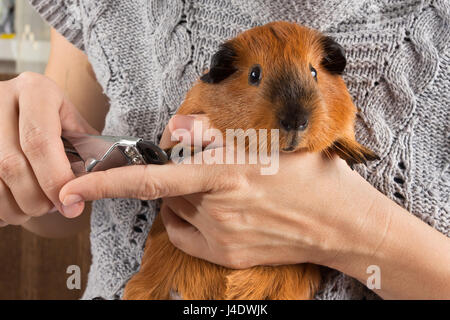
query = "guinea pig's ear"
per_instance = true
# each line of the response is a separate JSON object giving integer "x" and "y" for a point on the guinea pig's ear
{"x": 334, "y": 56}
{"x": 221, "y": 64}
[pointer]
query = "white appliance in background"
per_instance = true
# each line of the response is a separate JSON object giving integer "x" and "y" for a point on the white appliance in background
{"x": 30, "y": 48}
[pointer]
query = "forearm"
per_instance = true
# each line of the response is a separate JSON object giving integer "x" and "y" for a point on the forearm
{"x": 71, "y": 70}
{"x": 414, "y": 259}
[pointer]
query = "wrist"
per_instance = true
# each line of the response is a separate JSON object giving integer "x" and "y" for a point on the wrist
{"x": 362, "y": 218}
{"x": 362, "y": 243}
{"x": 411, "y": 257}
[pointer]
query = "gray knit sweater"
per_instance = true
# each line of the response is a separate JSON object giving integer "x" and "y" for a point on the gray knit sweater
{"x": 147, "y": 53}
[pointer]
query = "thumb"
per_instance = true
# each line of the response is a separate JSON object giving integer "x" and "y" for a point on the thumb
{"x": 194, "y": 126}
{"x": 145, "y": 182}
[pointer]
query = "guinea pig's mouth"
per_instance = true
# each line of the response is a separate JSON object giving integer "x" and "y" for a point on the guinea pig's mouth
{"x": 291, "y": 141}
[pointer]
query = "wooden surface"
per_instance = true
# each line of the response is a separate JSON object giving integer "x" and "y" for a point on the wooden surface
{"x": 6, "y": 76}
{"x": 35, "y": 268}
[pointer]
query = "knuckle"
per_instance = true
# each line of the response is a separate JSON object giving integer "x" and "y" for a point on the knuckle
{"x": 36, "y": 212}
{"x": 12, "y": 166}
{"x": 49, "y": 184}
{"x": 37, "y": 209}
{"x": 35, "y": 83}
{"x": 28, "y": 78}
{"x": 34, "y": 141}
{"x": 151, "y": 188}
{"x": 231, "y": 179}
{"x": 221, "y": 216}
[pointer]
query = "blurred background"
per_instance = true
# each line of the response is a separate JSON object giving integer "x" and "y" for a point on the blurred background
{"x": 24, "y": 38}
{"x": 32, "y": 267}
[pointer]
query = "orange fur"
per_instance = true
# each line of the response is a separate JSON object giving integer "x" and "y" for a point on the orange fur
{"x": 233, "y": 103}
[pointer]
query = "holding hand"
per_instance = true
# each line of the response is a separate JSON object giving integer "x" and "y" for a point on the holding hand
{"x": 313, "y": 210}
{"x": 33, "y": 164}
{"x": 293, "y": 216}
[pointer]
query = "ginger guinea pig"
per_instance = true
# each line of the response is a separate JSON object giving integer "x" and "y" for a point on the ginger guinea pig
{"x": 281, "y": 76}
{"x": 277, "y": 76}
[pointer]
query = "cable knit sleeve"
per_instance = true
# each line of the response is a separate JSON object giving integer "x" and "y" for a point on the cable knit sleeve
{"x": 64, "y": 16}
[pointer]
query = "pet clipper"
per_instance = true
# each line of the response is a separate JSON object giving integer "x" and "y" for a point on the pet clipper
{"x": 89, "y": 153}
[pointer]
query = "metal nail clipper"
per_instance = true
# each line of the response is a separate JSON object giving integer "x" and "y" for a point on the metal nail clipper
{"x": 88, "y": 153}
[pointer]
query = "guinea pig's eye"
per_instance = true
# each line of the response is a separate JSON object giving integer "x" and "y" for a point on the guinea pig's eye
{"x": 313, "y": 72}
{"x": 255, "y": 74}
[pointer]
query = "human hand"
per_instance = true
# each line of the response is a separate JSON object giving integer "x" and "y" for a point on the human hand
{"x": 33, "y": 164}
{"x": 309, "y": 211}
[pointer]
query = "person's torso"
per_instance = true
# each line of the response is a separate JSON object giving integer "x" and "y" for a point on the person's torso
{"x": 147, "y": 54}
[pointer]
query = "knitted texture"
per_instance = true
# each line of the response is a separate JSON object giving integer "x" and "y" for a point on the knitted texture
{"x": 146, "y": 55}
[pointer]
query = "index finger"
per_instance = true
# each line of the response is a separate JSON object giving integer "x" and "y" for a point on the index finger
{"x": 147, "y": 182}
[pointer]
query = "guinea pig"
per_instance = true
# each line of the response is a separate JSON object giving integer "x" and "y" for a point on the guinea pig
{"x": 277, "y": 76}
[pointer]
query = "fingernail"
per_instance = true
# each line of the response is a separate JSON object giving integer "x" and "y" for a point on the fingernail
{"x": 72, "y": 204}
{"x": 73, "y": 209}
{"x": 71, "y": 199}
{"x": 182, "y": 122}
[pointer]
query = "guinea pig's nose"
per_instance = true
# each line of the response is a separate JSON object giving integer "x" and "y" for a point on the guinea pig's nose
{"x": 298, "y": 123}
